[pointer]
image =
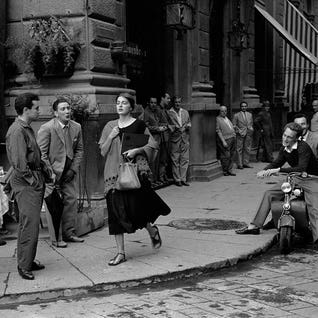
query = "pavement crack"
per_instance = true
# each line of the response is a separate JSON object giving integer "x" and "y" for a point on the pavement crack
{"x": 6, "y": 281}
{"x": 77, "y": 268}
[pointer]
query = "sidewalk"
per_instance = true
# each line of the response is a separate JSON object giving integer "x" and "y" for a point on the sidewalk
{"x": 187, "y": 250}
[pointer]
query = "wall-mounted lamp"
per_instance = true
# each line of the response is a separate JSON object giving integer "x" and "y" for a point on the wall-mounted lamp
{"x": 238, "y": 37}
{"x": 179, "y": 16}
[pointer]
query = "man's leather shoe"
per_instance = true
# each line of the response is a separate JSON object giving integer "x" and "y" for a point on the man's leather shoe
{"x": 269, "y": 225}
{"x": 247, "y": 166}
{"x": 37, "y": 266}
{"x": 2, "y": 242}
{"x": 246, "y": 230}
{"x": 239, "y": 167}
{"x": 60, "y": 244}
{"x": 178, "y": 183}
{"x": 225, "y": 174}
{"x": 25, "y": 274}
{"x": 185, "y": 183}
{"x": 74, "y": 239}
{"x": 230, "y": 173}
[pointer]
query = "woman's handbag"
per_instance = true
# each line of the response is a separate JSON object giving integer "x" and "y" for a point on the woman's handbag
{"x": 127, "y": 177}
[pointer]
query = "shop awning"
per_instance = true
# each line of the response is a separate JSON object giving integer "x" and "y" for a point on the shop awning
{"x": 287, "y": 36}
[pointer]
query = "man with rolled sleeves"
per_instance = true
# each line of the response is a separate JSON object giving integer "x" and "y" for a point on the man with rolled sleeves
{"x": 61, "y": 144}
{"x": 26, "y": 181}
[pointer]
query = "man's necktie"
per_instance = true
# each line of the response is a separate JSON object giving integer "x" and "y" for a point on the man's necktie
{"x": 68, "y": 141}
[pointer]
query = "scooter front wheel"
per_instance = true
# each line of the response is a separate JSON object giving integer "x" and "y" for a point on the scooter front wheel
{"x": 285, "y": 239}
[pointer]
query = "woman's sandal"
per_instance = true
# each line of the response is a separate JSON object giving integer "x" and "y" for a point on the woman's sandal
{"x": 156, "y": 239}
{"x": 118, "y": 259}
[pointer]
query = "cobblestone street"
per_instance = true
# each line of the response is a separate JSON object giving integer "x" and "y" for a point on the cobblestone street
{"x": 269, "y": 286}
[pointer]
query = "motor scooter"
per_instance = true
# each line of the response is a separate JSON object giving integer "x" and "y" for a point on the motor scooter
{"x": 291, "y": 216}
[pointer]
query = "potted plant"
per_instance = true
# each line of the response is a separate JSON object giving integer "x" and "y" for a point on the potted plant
{"x": 48, "y": 50}
{"x": 53, "y": 51}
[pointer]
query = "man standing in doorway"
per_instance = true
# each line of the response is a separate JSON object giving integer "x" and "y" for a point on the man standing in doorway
{"x": 61, "y": 145}
{"x": 26, "y": 181}
{"x": 243, "y": 125}
{"x": 225, "y": 142}
{"x": 180, "y": 142}
{"x": 264, "y": 126}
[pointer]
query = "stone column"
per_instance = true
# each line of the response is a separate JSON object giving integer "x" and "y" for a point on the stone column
{"x": 203, "y": 107}
{"x": 95, "y": 24}
{"x": 3, "y": 125}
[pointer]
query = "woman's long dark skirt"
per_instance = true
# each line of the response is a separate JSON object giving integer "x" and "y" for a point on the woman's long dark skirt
{"x": 131, "y": 210}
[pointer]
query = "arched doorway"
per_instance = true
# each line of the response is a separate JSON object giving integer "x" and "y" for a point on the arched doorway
{"x": 217, "y": 49}
{"x": 144, "y": 27}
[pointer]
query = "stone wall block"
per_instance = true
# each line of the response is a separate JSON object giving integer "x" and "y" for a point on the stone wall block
{"x": 101, "y": 33}
{"x": 204, "y": 57}
{"x": 204, "y": 6}
{"x": 102, "y": 9}
{"x": 204, "y": 73}
{"x": 204, "y": 40}
{"x": 14, "y": 10}
{"x": 100, "y": 60}
{"x": 40, "y": 8}
{"x": 204, "y": 23}
{"x": 119, "y": 13}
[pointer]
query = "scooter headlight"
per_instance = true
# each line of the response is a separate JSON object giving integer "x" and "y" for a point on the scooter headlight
{"x": 286, "y": 187}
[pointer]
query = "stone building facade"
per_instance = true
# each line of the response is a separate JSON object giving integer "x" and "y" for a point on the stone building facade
{"x": 197, "y": 64}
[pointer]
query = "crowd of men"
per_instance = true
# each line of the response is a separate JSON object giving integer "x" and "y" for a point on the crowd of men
{"x": 170, "y": 126}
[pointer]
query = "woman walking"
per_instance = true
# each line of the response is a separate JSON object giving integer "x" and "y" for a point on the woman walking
{"x": 131, "y": 209}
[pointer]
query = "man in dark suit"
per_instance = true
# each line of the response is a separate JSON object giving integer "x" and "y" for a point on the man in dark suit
{"x": 243, "y": 125}
{"x": 300, "y": 158}
{"x": 225, "y": 141}
{"x": 264, "y": 127}
{"x": 61, "y": 145}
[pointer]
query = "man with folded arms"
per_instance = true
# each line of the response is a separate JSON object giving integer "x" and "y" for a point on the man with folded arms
{"x": 300, "y": 158}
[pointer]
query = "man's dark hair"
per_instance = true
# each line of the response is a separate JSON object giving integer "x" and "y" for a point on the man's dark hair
{"x": 243, "y": 102}
{"x": 59, "y": 101}
{"x": 163, "y": 94}
{"x": 24, "y": 100}
{"x": 295, "y": 127}
{"x": 174, "y": 98}
{"x": 301, "y": 115}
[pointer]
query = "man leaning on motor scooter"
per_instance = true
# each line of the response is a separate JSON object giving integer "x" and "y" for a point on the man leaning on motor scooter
{"x": 300, "y": 158}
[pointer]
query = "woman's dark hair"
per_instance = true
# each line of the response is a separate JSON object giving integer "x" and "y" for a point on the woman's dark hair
{"x": 129, "y": 97}
{"x": 24, "y": 100}
{"x": 59, "y": 101}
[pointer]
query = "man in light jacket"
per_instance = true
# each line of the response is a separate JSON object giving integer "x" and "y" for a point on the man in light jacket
{"x": 61, "y": 145}
{"x": 179, "y": 141}
{"x": 243, "y": 125}
{"x": 226, "y": 141}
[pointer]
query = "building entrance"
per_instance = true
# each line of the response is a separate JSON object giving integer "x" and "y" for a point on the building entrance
{"x": 144, "y": 28}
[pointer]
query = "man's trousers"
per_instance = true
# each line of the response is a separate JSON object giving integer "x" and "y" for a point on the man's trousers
{"x": 243, "y": 148}
{"x": 227, "y": 154}
{"x": 310, "y": 187}
{"x": 180, "y": 160}
{"x": 29, "y": 200}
